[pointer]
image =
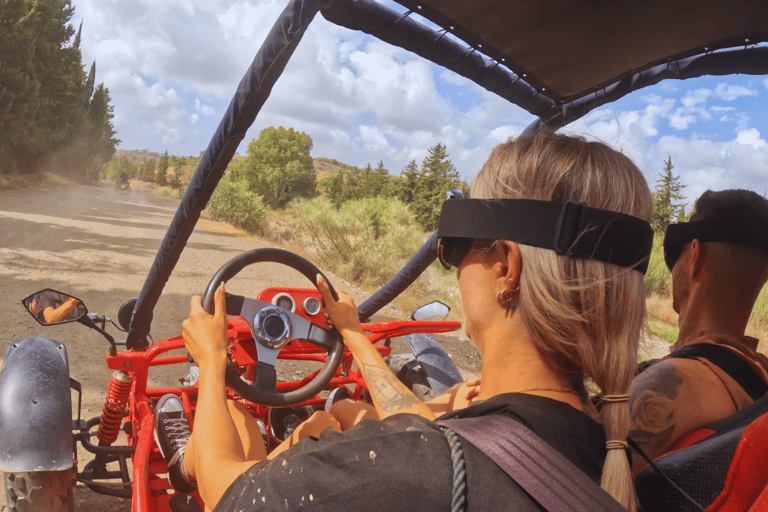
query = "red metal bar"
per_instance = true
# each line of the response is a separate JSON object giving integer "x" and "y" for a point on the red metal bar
{"x": 140, "y": 499}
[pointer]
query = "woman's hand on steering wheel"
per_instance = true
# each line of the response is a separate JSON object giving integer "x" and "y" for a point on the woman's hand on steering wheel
{"x": 340, "y": 314}
{"x": 205, "y": 335}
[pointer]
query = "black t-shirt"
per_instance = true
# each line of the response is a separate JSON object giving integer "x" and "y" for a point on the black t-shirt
{"x": 403, "y": 463}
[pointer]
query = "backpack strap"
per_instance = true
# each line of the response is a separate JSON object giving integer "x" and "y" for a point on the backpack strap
{"x": 543, "y": 472}
{"x": 730, "y": 362}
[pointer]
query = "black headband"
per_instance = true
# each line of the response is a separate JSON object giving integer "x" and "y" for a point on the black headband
{"x": 733, "y": 229}
{"x": 570, "y": 229}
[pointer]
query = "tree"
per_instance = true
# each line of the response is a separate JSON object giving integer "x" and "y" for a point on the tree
{"x": 279, "y": 166}
{"x": 354, "y": 183}
{"x": 404, "y": 186}
{"x": 19, "y": 94}
{"x": 146, "y": 171}
{"x": 437, "y": 177}
{"x": 666, "y": 197}
{"x": 162, "y": 169}
{"x": 46, "y": 97}
{"x": 100, "y": 132}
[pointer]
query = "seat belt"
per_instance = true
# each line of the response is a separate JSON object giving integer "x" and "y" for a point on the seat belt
{"x": 543, "y": 472}
{"x": 728, "y": 361}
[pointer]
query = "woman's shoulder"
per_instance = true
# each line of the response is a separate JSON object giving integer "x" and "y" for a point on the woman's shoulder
{"x": 573, "y": 433}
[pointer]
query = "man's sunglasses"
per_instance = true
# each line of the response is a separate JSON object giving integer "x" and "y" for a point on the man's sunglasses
{"x": 672, "y": 253}
{"x": 734, "y": 229}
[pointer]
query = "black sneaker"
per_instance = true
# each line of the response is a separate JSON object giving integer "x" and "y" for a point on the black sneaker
{"x": 284, "y": 420}
{"x": 171, "y": 434}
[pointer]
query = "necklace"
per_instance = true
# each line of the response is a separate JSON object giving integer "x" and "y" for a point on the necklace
{"x": 547, "y": 389}
{"x": 473, "y": 399}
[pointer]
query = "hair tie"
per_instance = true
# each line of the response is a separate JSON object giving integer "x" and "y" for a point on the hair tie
{"x": 616, "y": 445}
{"x": 614, "y": 398}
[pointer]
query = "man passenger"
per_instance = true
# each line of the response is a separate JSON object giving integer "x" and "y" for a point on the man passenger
{"x": 719, "y": 264}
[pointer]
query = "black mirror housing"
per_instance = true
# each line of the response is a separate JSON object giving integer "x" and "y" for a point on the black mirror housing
{"x": 51, "y": 307}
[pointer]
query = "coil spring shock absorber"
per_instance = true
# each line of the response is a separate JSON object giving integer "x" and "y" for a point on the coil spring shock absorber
{"x": 112, "y": 415}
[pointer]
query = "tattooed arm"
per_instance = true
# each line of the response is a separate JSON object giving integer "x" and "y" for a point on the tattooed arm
{"x": 671, "y": 399}
{"x": 389, "y": 395}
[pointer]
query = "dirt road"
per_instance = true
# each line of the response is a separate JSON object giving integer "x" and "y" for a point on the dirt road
{"x": 98, "y": 246}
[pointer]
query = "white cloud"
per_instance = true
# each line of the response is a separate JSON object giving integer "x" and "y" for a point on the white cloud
{"x": 375, "y": 141}
{"x": 455, "y": 79}
{"x": 693, "y": 98}
{"x": 750, "y": 137}
{"x": 732, "y": 92}
{"x": 204, "y": 109}
{"x": 706, "y": 164}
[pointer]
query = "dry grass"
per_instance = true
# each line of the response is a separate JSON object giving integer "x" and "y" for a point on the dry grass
{"x": 660, "y": 309}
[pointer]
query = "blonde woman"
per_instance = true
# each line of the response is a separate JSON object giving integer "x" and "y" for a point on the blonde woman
{"x": 550, "y": 253}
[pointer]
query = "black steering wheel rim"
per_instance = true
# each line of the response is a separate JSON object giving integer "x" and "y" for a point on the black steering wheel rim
{"x": 234, "y": 303}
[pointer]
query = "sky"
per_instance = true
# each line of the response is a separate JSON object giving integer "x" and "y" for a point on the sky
{"x": 172, "y": 67}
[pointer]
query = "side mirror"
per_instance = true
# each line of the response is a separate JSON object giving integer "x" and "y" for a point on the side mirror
{"x": 50, "y": 307}
{"x": 435, "y": 311}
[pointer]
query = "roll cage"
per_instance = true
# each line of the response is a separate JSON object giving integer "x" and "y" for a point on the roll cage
{"x": 557, "y": 59}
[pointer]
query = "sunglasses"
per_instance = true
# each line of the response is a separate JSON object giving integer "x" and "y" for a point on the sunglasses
{"x": 452, "y": 251}
{"x": 672, "y": 253}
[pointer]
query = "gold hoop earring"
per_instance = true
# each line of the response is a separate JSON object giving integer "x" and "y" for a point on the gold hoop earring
{"x": 506, "y": 295}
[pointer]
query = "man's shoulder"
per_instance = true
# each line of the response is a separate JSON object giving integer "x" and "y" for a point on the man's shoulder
{"x": 671, "y": 399}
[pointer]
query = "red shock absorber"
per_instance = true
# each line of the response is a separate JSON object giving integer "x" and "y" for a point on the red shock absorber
{"x": 112, "y": 415}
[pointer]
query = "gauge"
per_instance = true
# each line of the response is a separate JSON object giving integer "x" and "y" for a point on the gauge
{"x": 284, "y": 301}
{"x": 311, "y": 306}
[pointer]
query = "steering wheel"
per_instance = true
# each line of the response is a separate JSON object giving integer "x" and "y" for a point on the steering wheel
{"x": 272, "y": 328}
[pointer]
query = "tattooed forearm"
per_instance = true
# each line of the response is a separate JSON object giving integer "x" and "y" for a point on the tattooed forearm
{"x": 389, "y": 395}
{"x": 387, "y": 392}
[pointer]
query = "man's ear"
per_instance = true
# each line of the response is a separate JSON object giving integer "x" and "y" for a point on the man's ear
{"x": 698, "y": 255}
{"x": 512, "y": 262}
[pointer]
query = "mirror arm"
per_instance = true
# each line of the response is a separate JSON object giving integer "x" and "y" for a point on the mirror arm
{"x": 88, "y": 322}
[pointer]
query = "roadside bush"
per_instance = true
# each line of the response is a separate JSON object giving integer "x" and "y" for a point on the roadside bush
{"x": 658, "y": 278}
{"x": 365, "y": 241}
{"x": 233, "y": 203}
{"x": 759, "y": 316}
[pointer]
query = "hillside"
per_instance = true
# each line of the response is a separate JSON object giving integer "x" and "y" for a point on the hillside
{"x": 137, "y": 156}
{"x": 325, "y": 167}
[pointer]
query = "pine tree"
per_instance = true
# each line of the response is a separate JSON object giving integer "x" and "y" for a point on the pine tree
{"x": 162, "y": 169}
{"x": 45, "y": 97}
{"x": 666, "y": 198}
{"x": 89, "y": 83}
{"x": 438, "y": 175}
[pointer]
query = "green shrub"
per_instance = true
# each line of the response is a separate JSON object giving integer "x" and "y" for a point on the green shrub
{"x": 233, "y": 203}
{"x": 658, "y": 278}
{"x": 365, "y": 241}
{"x": 668, "y": 333}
